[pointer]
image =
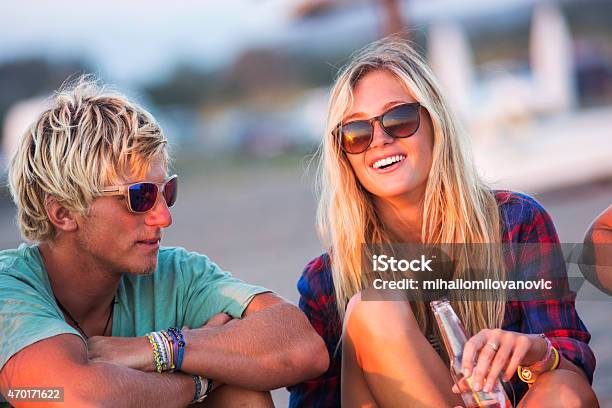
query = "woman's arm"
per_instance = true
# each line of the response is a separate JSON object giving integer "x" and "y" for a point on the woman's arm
{"x": 493, "y": 352}
{"x": 553, "y": 316}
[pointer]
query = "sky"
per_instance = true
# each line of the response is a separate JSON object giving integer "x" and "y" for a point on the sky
{"x": 123, "y": 36}
{"x": 141, "y": 40}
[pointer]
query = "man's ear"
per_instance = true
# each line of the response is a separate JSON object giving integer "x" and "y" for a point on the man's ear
{"x": 62, "y": 218}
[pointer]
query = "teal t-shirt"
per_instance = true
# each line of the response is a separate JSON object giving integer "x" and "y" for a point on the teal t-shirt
{"x": 186, "y": 289}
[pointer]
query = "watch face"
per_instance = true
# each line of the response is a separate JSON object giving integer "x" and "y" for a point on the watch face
{"x": 526, "y": 374}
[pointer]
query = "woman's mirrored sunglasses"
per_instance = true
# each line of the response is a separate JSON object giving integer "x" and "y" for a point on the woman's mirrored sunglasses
{"x": 398, "y": 122}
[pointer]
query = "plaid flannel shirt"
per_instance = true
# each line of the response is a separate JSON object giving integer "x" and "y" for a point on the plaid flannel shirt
{"x": 524, "y": 220}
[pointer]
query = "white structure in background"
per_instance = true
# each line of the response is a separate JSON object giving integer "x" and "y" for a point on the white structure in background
{"x": 450, "y": 57}
{"x": 511, "y": 149}
{"x": 504, "y": 99}
{"x": 552, "y": 60}
{"x": 18, "y": 118}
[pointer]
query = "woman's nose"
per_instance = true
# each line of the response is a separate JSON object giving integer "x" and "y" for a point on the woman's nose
{"x": 379, "y": 136}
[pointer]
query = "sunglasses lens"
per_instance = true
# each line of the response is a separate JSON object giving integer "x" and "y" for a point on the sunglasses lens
{"x": 142, "y": 196}
{"x": 356, "y": 136}
{"x": 171, "y": 191}
{"x": 402, "y": 121}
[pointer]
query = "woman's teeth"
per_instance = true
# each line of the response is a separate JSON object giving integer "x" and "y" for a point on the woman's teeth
{"x": 388, "y": 161}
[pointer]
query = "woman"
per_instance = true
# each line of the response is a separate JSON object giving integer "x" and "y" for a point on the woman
{"x": 394, "y": 168}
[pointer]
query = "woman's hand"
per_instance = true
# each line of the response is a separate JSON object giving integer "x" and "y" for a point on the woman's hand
{"x": 493, "y": 352}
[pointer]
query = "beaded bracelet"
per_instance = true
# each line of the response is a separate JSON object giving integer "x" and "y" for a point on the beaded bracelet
{"x": 163, "y": 345}
{"x": 201, "y": 391}
{"x": 175, "y": 348}
{"x": 179, "y": 346}
{"x": 170, "y": 350}
{"x": 198, "y": 396}
{"x": 162, "y": 350}
{"x": 209, "y": 386}
{"x": 168, "y": 347}
{"x": 156, "y": 355}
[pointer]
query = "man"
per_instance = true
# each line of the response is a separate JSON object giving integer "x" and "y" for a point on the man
{"x": 92, "y": 190}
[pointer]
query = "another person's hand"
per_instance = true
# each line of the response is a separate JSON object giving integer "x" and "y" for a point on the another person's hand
{"x": 596, "y": 259}
{"x": 492, "y": 353}
{"x": 604, "y": 220}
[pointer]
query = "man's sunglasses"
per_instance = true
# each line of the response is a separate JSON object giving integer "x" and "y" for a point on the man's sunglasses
{"x": 142, "y": 197}
{"x": 398, "y": 122}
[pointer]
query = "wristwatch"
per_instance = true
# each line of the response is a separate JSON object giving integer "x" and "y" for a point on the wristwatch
{"x": 529, "y": 374}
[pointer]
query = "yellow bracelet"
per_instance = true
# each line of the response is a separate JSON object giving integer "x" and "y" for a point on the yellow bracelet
{"x": 527, "y": 375}
{"x": 557, "y": 359}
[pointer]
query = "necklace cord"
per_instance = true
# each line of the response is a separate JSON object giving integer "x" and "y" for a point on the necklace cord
{"x": 79, "y": 328}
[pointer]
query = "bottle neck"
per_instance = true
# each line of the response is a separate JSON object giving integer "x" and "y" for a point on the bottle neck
{"x": 451, "y": 329}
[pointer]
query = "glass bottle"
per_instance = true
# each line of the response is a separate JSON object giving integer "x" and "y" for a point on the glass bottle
{"x": 454, "y": 337}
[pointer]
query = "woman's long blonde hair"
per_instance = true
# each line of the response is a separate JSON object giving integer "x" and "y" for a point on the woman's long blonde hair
{"x": 458, "y": 207}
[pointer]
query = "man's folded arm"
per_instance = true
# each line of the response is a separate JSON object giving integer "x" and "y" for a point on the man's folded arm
{"x": 61, "y": 361}
{"x": 272, "y": 346}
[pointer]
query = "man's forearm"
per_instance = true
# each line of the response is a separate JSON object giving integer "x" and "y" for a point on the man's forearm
{"x": 104, "y": 384}
{"x": 62, "y": 361}
{"x": 114, "y": 385}
{"x": 271, "y": 348}
{"x": 110, "y": 385}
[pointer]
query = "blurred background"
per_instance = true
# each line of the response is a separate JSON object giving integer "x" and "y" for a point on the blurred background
{"x": 241, "y": 89}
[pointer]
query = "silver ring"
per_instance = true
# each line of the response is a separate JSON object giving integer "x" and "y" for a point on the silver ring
{"x": 494, "y": 346}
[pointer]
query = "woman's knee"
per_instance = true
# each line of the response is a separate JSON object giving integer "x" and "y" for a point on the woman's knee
{"x": 374, "y": 313}
{"x": 560, "y": 388}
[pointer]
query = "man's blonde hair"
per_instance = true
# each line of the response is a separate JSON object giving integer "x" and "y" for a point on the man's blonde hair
{"x": 90, "y": 138}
